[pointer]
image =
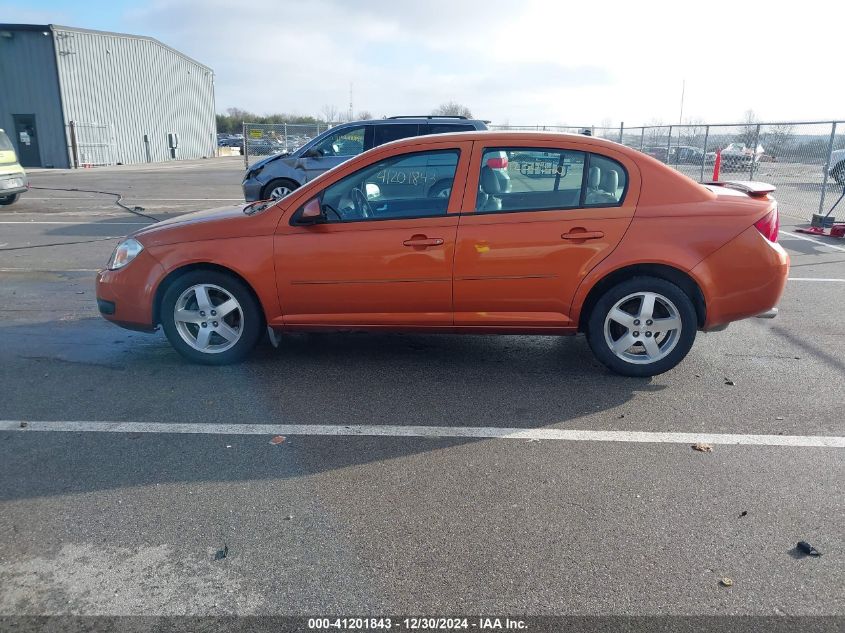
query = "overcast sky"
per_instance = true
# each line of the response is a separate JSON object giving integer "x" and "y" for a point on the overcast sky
{"x": 522, "y": 62}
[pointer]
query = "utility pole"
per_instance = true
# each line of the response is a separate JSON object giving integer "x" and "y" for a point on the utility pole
{"x": 683, "y": 90}
{"x": 350, "y": 100}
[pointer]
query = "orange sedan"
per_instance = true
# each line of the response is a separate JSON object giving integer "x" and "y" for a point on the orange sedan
{"x": 479, "y": 232}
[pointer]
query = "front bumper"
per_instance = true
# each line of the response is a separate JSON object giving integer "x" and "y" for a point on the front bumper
{"x": 252, "y": 189}
{"x": 126, "y": 296}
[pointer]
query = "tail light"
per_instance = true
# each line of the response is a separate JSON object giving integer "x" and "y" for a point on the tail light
{"x": 498, "y": 162}
{"x": 769, "y": 225}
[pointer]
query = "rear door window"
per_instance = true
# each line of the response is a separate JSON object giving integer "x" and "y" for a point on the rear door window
{"x": 525, "y": 179}
{"x": 393, "y": 132}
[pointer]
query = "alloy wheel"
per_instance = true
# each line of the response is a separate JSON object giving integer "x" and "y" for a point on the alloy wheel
{"x": 642, "y": 328}
{"x": 208, "y": 318}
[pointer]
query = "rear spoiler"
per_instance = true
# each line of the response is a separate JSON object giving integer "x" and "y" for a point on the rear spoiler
{"x": 751, "y": 187}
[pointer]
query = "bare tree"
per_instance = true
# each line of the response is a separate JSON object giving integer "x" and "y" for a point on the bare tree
{"x": 749, "y": 130}
{"x": 692, "y": 132}
{"x": 329, "y": 113}
{"x": 778, "y": 138}
{"x": 365, "y": 115}
{"x": 452, "y": 108}
{"x": 655, "y": 134}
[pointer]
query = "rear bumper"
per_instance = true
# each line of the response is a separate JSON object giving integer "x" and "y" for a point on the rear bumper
{"x": 768, "y": 314}
{"x": 744, "y": 278}
{"x": 11, "y": 184}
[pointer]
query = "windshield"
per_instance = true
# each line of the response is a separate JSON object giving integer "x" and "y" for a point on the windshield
{"x": 5, "y": 143}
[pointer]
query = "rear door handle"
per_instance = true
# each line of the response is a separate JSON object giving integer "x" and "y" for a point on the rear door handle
{"x": 583, "y": 235}
{"x": 423, "y": 241}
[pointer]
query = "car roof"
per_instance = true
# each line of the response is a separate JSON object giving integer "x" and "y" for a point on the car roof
{"x": 502, "y": 137}
{"x": 448, "y": 120}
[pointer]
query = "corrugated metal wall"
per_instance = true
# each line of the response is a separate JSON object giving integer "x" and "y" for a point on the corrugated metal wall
{"x": 29, "y": 85}
{"x": 136, "y": 87}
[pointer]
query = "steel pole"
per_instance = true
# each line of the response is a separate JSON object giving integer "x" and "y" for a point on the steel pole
{"x": 754, "y": 152}
{"x": 246, "y": 145}
{"x": 74, "y": 147}
{"x": 827, "y": 165}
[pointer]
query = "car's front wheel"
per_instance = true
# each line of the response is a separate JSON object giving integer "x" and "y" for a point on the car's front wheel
{"x": 211, "y": 317}
{"x": 641, "y": 327}
{"x": 279, "y": 188}
{"x": 5, "y": 200}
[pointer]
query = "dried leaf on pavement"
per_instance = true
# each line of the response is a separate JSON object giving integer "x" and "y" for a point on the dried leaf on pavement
{"x": 278, "y": 439}
{"x": 702, "y": 447}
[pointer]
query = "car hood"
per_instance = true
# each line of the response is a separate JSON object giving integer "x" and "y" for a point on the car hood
{"x": 259, "y": 164}
{"x": 212, "y": 224}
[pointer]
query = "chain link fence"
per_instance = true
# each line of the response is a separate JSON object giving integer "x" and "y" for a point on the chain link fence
{"x": 793, "y": 156}
{"x": 91, "y": 144}
{"x": 266, "y": 139}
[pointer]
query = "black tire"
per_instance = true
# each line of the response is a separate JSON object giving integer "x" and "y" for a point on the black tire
{"x": 5, "y": 200}
{"x": 596, "y": 326}
{"x": 838, "y": 173}
{"x": 251, "y": 319}
{"x": 278, "y": 183}
{"x": 437, "y": 189}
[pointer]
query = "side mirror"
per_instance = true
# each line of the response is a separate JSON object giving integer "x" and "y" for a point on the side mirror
{"x": 312, "y": 213}
{"x": 372, "y": 190}
{"x": 312, "y": 153}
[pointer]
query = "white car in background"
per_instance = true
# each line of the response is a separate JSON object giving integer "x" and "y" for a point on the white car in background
{"x": 740, "y": 156}
{"x": 837, "y": 166}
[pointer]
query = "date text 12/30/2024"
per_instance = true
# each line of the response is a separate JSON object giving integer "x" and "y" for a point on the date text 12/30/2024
{"x": 418, "y": 624}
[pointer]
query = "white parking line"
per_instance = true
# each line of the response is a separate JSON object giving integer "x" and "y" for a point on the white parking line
{"x": 80, "y": 223}
{"x": 48, "y": 270}
{"x": 145, "y": 199}
{"x": 468, "y": 432}
{"x": 787, "y": 234}
{"x": 814, "y": 279}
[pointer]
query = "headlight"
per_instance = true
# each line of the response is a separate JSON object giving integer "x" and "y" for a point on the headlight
{"x": 125, "y": 252}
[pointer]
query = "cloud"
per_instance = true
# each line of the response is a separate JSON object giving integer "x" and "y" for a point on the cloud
{"x": 527, "y": 62}
{"x": 15, "y": 14}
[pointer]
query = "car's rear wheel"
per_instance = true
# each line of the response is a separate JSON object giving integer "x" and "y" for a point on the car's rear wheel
{"x": 211, "y": 317}
{"x": 643, "y": 326}
{"x": 278, "y": 189}
{"x": 4, "y": 200}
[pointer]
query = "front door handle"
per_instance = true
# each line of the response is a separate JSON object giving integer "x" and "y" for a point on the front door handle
{"x": 421, "y": 241}
{"x": 581, "y": 234}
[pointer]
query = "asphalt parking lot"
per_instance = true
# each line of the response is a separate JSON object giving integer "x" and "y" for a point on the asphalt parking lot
{"x": 374, "y": 515}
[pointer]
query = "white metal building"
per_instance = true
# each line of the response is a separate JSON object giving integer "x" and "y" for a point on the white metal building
{"x": 75, "y": 97}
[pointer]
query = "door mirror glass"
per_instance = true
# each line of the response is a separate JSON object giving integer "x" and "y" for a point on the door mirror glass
{"x": 373, "y": 191}
{"x": 312, "y": 212}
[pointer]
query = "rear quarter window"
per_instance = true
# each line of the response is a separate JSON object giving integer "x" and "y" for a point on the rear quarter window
{"x": 607, "y": 182}
{"x": 445, "y": 128}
